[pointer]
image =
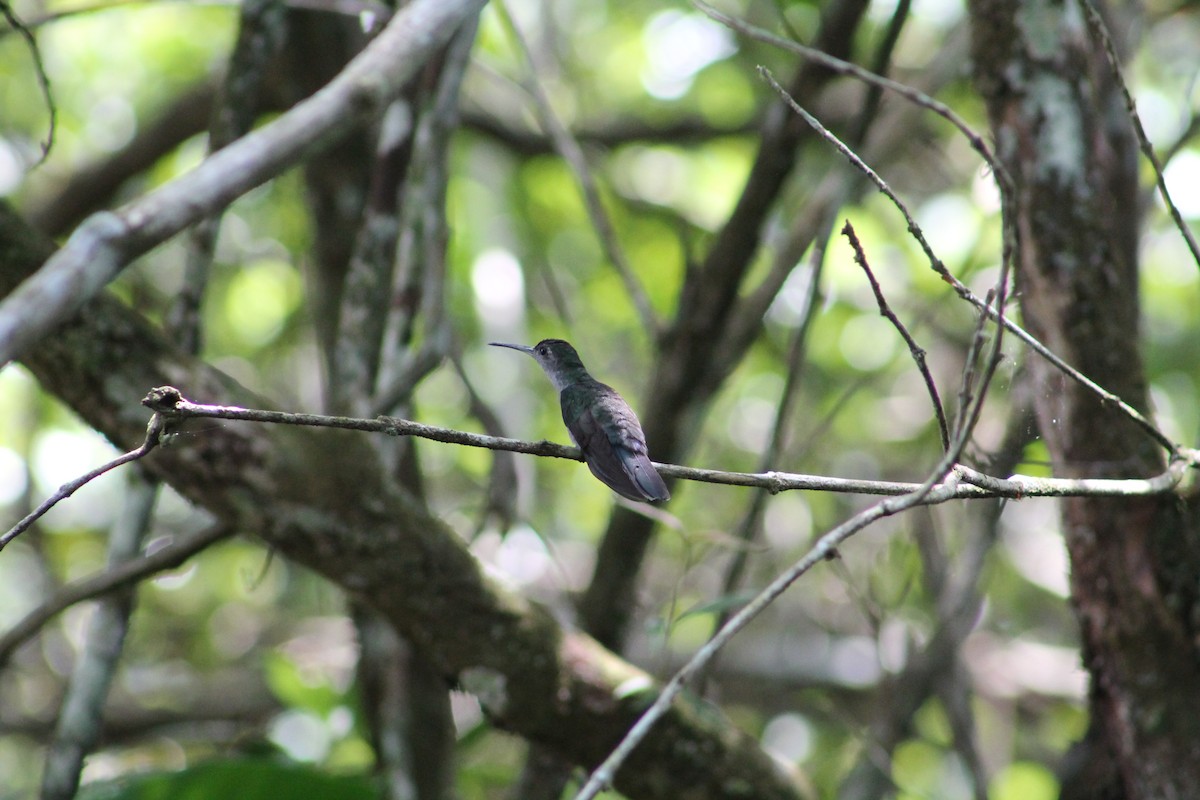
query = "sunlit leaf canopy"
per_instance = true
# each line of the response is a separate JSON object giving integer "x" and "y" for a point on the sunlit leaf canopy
{"x": 238, "y": 649}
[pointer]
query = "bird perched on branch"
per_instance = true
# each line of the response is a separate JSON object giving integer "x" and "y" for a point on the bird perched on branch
{"x": 600, "y": 422}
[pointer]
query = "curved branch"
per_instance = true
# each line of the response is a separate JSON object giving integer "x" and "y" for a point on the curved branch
{"x": 154, "y": 431}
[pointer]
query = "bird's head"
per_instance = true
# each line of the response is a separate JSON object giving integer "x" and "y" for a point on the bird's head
{"x": 557, "y": 357}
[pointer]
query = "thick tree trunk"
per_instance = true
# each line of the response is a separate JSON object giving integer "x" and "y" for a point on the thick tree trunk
{"x": 1062, "y": 133}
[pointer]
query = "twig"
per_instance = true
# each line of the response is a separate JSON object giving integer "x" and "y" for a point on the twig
{"x": 751, "y": 523}
{"x": 572, "y": 153}
{"x": 991, "y": 311}
{"x": 918, "y": 352}
{"x": 826, "y": 547}
{"x": 841, "y": 67}
{"x": 970, "y": 399}
{"x": 110, "y": 580}
{"x": 154, "y": 432}
{"x": 1100, "y": 31}
{"x": 40, "y": 68}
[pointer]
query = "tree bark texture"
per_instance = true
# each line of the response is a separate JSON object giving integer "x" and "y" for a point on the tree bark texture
{"x": 1062, "y": 133}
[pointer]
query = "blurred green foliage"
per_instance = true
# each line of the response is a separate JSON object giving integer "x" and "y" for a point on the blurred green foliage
{"x": 239, "y": 616}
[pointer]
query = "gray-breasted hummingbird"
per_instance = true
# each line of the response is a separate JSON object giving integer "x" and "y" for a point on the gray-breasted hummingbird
{"x": 600, "y": 422}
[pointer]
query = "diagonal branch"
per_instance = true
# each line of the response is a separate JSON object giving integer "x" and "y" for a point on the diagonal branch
{"x": 918, "y": 352}
{"x": 154, "y": 433}
{"x": 990, "y": 310}
{"x": 106, "y": 242}
{"x": 1100, "y": 31}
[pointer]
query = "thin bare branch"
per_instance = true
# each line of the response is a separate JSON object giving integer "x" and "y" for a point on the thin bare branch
{"x": 751, "y": 522}
{"x": 841, "y": 67}
{"x": 39, "y": 67}
{"x": 154, "y": 432}
{"x": 992, "y": 312}
{"x": 1100, "y": 31}
{"x": 917, "y": 352}
{"x": 168, "y": 402}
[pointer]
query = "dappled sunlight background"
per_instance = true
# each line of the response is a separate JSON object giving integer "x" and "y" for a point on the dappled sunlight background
{"x": 241, "y": 652}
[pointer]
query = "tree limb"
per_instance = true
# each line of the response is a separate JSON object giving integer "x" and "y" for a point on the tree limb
{"x": 107, "y": 241}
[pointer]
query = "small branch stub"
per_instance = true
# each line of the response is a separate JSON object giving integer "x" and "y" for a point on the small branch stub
{"x": 163, "y": 399}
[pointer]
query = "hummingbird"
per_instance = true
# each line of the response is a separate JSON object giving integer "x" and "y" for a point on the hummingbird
{"x": 600, "y": 422}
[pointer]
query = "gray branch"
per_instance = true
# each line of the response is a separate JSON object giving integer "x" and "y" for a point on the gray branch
{"x": 108, "y": 241}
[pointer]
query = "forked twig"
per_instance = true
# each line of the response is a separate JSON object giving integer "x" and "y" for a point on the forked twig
{"x": 993, "y": 312}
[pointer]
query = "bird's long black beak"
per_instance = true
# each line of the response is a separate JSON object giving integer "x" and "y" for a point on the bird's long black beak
{"x": 523, "y": 348}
